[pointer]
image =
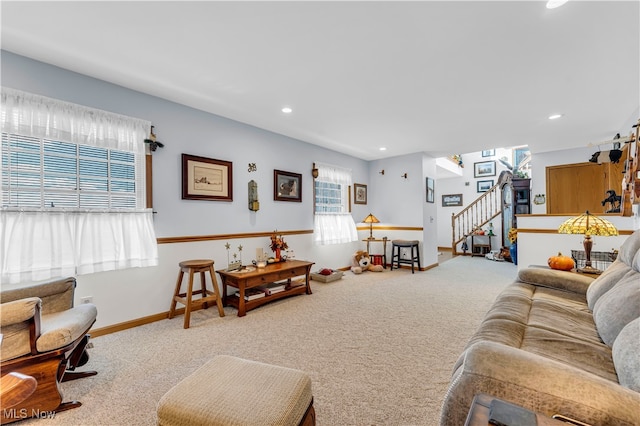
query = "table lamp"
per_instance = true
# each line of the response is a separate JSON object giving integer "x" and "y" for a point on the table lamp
{"x": 371, "y": 219}
{"x": 588, "y": 225}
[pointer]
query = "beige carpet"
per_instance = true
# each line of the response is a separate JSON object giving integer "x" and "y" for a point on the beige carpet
{"x": 379, "y": 347}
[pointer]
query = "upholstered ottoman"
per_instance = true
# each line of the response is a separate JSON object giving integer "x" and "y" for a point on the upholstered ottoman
{"x": 229, "y": 391}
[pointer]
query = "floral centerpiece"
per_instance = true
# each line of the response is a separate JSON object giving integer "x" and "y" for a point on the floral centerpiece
{"x": 278, "y": 243}
{"x": 513, "y": 235}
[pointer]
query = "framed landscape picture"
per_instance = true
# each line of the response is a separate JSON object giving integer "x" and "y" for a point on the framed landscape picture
{"x": 430, "y": 190}
{"x": 451, "y": 200}
{"x": 488, "y": 152}
{"x": 484, "y": 185}
{"x": 484, "y": 168}
{"x": 287, "y": 186}
{"x": 206, "y": 179}
{"x": 359, "y": 193}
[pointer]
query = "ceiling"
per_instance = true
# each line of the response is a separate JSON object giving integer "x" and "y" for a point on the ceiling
{"x": 434, "y": 77}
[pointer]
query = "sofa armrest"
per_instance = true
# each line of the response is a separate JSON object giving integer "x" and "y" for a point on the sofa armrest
{"x": 56, "y": 295}
{"x": 20, "y": 324}
{"x": 19, "y": 311}
{"x": 537, "y": 383}
{"x": 562, "y": 280}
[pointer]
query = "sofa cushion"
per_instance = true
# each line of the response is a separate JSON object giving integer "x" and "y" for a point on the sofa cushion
{"x": 629, "y": 248}
{"x": 610, "y": 277}
{"x": 63, "y": 328}
{"x": 625, "y": 355}
{"x": 618, "y": 307}
{"x": 56, "y": 295}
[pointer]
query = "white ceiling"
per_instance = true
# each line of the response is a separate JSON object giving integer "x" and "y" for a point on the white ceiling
{"x": 435, "y": 77}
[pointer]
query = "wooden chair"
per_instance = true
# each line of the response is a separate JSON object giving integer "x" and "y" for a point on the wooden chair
{"x": 192, "y": 267}
{"x": 45, "y": 337}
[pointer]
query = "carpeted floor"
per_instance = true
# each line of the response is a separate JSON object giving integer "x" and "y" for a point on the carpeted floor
{"x": 379, "y": 347}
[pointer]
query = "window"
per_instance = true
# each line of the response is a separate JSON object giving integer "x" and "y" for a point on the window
{"x": 41, "y": 173}
{"x": 333, "y": 223}
{"x": 73, "y": 190}
{"x": 330, "y": 197}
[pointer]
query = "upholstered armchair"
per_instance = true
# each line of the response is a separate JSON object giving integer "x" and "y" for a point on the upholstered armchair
{"x": 43, "y": 336}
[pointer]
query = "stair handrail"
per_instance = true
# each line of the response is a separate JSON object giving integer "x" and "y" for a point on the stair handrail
{"x": 477, "y": 214}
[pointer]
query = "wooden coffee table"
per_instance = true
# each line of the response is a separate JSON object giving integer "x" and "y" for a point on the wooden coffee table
{"x": 287, "y": 270}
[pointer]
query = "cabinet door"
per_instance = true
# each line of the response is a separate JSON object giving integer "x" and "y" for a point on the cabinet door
{"x": 575, "y": 188}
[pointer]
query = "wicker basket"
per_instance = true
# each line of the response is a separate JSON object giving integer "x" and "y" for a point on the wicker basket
{"x": 599, "y": 259}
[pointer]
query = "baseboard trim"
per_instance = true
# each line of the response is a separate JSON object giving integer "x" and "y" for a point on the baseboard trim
{"x": 136, "y": 322}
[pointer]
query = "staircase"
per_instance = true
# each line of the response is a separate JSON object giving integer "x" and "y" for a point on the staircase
{"x": 484, "y": 209}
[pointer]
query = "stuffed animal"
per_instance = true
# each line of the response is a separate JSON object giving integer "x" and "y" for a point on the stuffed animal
{"x": 361, "y": 262}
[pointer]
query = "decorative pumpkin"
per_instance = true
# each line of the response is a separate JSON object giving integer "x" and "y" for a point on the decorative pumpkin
{"x": 560, "y": 262}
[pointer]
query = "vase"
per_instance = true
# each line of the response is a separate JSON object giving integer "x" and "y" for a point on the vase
{"x": 277, "y": 257}
{"x": 513, "y": 251}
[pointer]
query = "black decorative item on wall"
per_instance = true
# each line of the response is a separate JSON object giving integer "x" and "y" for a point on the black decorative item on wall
{"x": 153, "y": 143}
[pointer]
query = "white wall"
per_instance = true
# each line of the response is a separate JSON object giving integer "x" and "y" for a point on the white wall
{"x": 134, "y": 293}
{"x": 467, "y": 186}
{"x": 536, "y": 248}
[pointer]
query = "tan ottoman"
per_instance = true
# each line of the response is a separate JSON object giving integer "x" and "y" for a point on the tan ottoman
{"x": 229, "y": 391}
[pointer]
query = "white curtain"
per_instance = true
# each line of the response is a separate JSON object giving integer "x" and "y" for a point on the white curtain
{"x": 46, "y": 243}
{"x": 33, "y": 115}
{"x": 334, "y": 228}
{"x": 38, "y": 245}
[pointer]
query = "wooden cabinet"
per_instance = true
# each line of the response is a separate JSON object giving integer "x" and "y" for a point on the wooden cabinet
{"x": 576, "y": 188}
{"x": 516, "y": 199}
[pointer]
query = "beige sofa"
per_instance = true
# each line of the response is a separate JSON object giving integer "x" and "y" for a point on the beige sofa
{"x": 559, "y": 342}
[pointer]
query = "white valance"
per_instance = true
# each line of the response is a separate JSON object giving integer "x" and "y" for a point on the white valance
{"x": 334, "y": 174}
{"x": 33, "y": 115}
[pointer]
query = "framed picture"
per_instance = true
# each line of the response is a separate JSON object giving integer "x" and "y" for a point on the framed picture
{"x": 488, "y": 152}
{"x": 484, "y": 185}
{"x": 206, "y": 179}
{"x": 430, "y": 190}
{"x": 484, "y": 168}
{"x": 287, "y": 186}
{"x": 451, "y": 200}
{"x": 359, "y": 193}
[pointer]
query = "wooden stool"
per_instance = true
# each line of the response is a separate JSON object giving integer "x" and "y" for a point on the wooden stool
{"x": 206, "y": 296}
{"x": 235, "y": 391}
{"x": 396, "y": 259}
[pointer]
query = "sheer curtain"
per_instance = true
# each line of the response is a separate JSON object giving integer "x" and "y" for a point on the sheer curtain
{"x": 38, "y": 244}
{"x": 335, "y": 228}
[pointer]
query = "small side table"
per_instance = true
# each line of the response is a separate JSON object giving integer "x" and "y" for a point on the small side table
{"x": 384, "y": 248}
{"x": 480, "y": 244}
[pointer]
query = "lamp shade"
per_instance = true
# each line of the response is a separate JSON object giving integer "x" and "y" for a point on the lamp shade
{"x": 588, "y": 224}
{"x": 370, "y": 219}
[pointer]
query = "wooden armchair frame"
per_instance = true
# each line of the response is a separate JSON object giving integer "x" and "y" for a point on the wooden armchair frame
{"x": 48, "y": 368}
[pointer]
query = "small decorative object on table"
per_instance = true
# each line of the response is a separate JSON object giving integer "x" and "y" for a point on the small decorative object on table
{"x": 560, "y": 262}
{"x": 277, "y": 244}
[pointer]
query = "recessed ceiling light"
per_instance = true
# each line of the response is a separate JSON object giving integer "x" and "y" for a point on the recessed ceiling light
{"x": 552, "y": 4}
{"x": 382, "y": 148}
{"x": 555, "y": 116}
{"x": 287, "y": 110}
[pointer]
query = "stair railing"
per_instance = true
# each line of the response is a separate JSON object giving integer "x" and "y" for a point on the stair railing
{"x": 477, "y": 214}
